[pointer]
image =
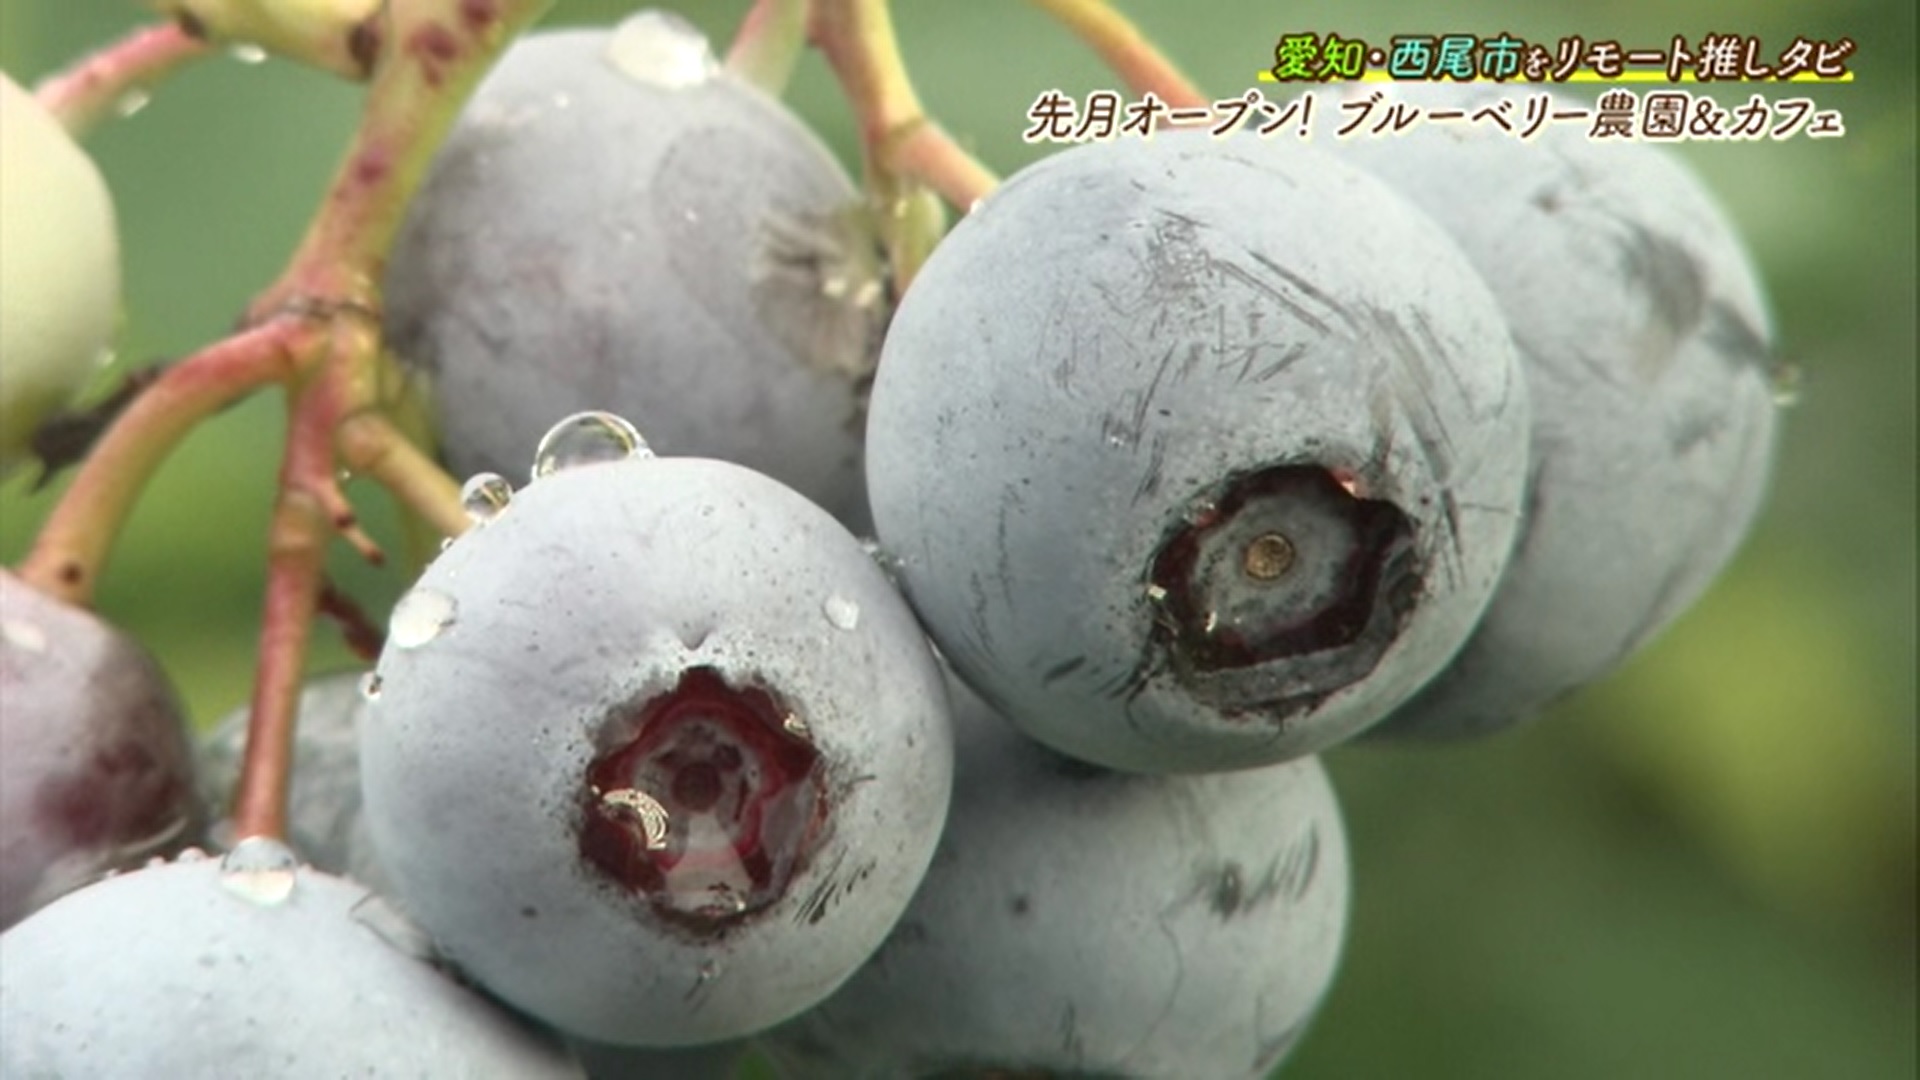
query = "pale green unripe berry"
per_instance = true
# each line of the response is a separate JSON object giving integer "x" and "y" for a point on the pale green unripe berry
{"x": 59, "y": 269}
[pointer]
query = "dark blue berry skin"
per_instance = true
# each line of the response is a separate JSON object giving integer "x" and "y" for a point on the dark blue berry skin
{"x": 666, "y": 758}
{"x": 165, "y": 971}
{"x": 1083, "y": 922}
{"x": 1197, "y": 454}
{"x": 683, "y": 256}
{"x": 1644, "y": 337}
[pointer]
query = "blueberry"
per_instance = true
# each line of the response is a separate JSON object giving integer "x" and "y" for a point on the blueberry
{"x": 96, "y": 773}
{"x": 1084, "y": 922}
{"x": 613, "y": 224}
{"x": 1644, "y": 337}
{"x": 1197, "y": 453}
{"x": 59, "y": 269}
{"x": 186, "y": 969}
{"x": 658, "y": 754}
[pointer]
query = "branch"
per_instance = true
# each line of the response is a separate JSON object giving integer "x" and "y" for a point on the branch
{"x": 370, "y": 444}
{"x": 296, "y": 560}
{"x": 1122, "y": 47}
{"x": 768, "y": 43}
{"x": 437, "y": 52}
{"x": 902, "y": 146}
{"x": 73, "y": 545}
{"x": 118, "y": 78}
{"x": 341, "y": 36}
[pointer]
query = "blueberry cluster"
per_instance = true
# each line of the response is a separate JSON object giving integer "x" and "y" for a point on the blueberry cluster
{"x": 1183, "y": 460}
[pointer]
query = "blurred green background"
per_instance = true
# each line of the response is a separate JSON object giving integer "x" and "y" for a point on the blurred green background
{"x": 1703, "y": 867}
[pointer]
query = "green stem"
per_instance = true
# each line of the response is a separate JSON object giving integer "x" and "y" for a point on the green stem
{"x": 904, "y": 148}
{"x": 768, "y": 44}
{"x": 437, "y": 52}
{"x": 341, "y": 36}
{"x": 1122, "y": 47}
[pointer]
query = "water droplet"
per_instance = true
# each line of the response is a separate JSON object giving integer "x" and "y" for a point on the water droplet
{"x": 248, "y": 53}
{"x": 484, "y": 495}
{"x": 260, "y": 869}
{"x": 370, "y": 685}
{"x": 23, "y": 635}
{"x": 653, "y": 816}
{"x": 1786, "y": 378}
{"x": 662, "y": 48}
{"x": 131, "y": 102}
{"x": 587, "y": 438}
{"x": 446, "y": 544}
{"x": 842, "y": 612}
{"x": 795, "y": 726}
{"x": 419, "y": 617}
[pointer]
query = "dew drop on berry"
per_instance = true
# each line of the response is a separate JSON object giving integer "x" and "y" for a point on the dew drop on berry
{"x": 484, "y": 496}
{"x": 419, "y": 617}
{"x": 587, "y": 438}
{"x": 260, "y": 869}
{"x": 663, "y": 49}
{"x": 19, "y": 634}
{"x": 843, "y": 613}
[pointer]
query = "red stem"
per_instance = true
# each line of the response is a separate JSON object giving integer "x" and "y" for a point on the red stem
{"x": 95, "y": 86}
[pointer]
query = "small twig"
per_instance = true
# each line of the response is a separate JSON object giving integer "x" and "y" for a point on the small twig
{"x": 341, "y": 36}
{"x": 768, "y": 43}
{"x": 902, "y": 146}
{"x": 437, "y": 51}
{"x": 1122, "y": 47}
{"x": 111, "y": 80}
{"x": 363, "y": 637}
{"x": 64, "y": 439}
{"x": 857, "y": 39}
{"x": 296, "y": 559}
{"x": 370, "y": 444}
{"x": 73, "y": 545}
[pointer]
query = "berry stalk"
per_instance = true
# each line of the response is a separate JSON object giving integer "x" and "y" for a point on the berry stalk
{"x": 905, "y": 149}
{"x": 97, "y": 85}
{"x": 341, "y": 36}
{"x": 72, "y": 547}
{"x": 768, "y": 43}
{"x": 1122, "y": 47}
